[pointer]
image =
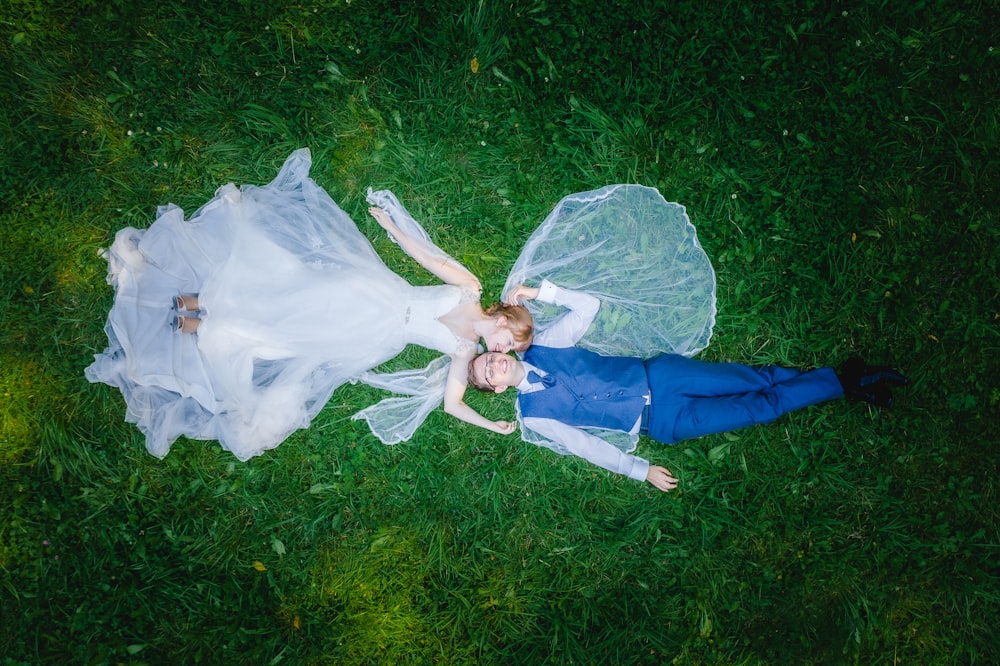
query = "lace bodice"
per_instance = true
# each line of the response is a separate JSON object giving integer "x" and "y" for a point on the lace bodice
{"x": 422, "y": 318}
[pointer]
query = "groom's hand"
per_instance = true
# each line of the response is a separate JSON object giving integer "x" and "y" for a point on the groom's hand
{"x": 660, "y": 477}
{"x": 519, "y": 293}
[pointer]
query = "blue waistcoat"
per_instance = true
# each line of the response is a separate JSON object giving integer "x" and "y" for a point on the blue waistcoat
{"x": 586, "y": 389}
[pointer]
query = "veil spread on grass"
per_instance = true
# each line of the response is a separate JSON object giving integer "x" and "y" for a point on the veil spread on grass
{"x": 640, "y": 255}
{"x": 394, "y": 420}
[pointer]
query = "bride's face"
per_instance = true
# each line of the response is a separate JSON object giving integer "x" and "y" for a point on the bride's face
{"x": 500, "y": 339}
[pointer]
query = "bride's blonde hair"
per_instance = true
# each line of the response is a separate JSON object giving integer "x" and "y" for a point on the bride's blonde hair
{"x": 518, "y": 321}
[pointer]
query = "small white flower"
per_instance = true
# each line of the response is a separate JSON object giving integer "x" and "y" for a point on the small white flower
{"x": 733, "y": 195}
{"x": 857, "y": 42}
{"x": 256, "y": 73}
{"x": 743, "y": 78}
{"x": 159, "y": 129}
{"x": 267, "y": 27}
{"x": 129, "y": 133}
{"x": 546, "y": 79}
{"x": 155, "y": 163}
{"x": 482, "y": 143}
{"x": 358, "y": 51}
{"x": 906, "y": 119}
{"x": 784, "y": 132}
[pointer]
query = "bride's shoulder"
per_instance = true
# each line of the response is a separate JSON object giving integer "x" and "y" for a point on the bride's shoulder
{"x": 469, "y": 294}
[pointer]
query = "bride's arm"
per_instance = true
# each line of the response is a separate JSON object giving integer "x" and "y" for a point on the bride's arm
{"x": 454, "y": 399}
{"x": 440, "y": 264}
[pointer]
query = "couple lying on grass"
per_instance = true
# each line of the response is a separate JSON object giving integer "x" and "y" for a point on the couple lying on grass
{"x": 238, "y": 324}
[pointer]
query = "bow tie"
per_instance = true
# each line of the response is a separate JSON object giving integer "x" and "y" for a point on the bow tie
{"x": 535, "y": 378}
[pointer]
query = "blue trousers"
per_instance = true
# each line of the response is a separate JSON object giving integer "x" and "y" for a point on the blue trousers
{"x": 690, "y": 398}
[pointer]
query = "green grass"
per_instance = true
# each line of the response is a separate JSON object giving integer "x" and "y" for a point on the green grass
{"x": 841, "y": 166}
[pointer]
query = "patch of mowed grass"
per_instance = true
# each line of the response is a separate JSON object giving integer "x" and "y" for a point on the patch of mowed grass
{"x": 840, "y": 164}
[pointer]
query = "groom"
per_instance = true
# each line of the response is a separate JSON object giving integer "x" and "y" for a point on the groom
{"x": 563, "y": 388}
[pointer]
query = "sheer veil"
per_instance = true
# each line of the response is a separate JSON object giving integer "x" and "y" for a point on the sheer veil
{"x": 639, "y": 254}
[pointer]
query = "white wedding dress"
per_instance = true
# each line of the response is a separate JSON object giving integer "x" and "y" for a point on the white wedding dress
{"x": 295, "y": 302}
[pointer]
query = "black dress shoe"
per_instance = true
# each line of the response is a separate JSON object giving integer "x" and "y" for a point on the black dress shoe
{"x": 879, "y": 374}
{"x": 873, "y": 394}
{"x": 866, "y": 383}
{"x": 854, "y": 372}
{"x": 850, "y": 373}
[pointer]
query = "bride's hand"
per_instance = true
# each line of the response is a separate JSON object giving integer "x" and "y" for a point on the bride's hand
{"x": 521, "y": 292}
{"x": 505, "y": 427}
{"x": 382, "y": 218}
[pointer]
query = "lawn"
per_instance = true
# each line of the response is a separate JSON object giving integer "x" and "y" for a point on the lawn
{"x": 841, "y": 162}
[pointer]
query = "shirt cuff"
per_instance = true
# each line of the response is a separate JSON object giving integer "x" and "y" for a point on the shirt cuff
{"x": 640, "y": 469}
{"x": 547, "y": 292}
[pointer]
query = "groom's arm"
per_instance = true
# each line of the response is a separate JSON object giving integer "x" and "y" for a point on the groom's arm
{"x": 569, "y": 328}
{"x": 590, "y": 448}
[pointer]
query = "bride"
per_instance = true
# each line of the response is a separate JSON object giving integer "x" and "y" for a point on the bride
{"x": 240, "y": 322}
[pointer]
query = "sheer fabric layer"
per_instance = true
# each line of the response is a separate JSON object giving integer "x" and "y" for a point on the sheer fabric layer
{"x": 294, "y": 300}
{"x": 639, "y": 254}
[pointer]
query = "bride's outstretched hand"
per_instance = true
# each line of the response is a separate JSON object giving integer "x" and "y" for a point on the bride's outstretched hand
{"x": 383, "y": 219}
{"x": 519, "y": 293}
{"x": 505, "y": 427}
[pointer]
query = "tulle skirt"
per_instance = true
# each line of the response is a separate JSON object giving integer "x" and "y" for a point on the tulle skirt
{"x": 294, "y": 302}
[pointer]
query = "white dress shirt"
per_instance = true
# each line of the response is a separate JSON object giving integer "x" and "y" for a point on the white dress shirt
{"x": 566, "y": 332}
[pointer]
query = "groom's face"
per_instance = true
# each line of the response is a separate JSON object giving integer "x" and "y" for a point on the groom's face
{"x": 495, "y": 371}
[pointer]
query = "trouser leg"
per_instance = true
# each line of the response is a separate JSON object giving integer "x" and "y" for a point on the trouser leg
{"x": 691, "y": 398}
